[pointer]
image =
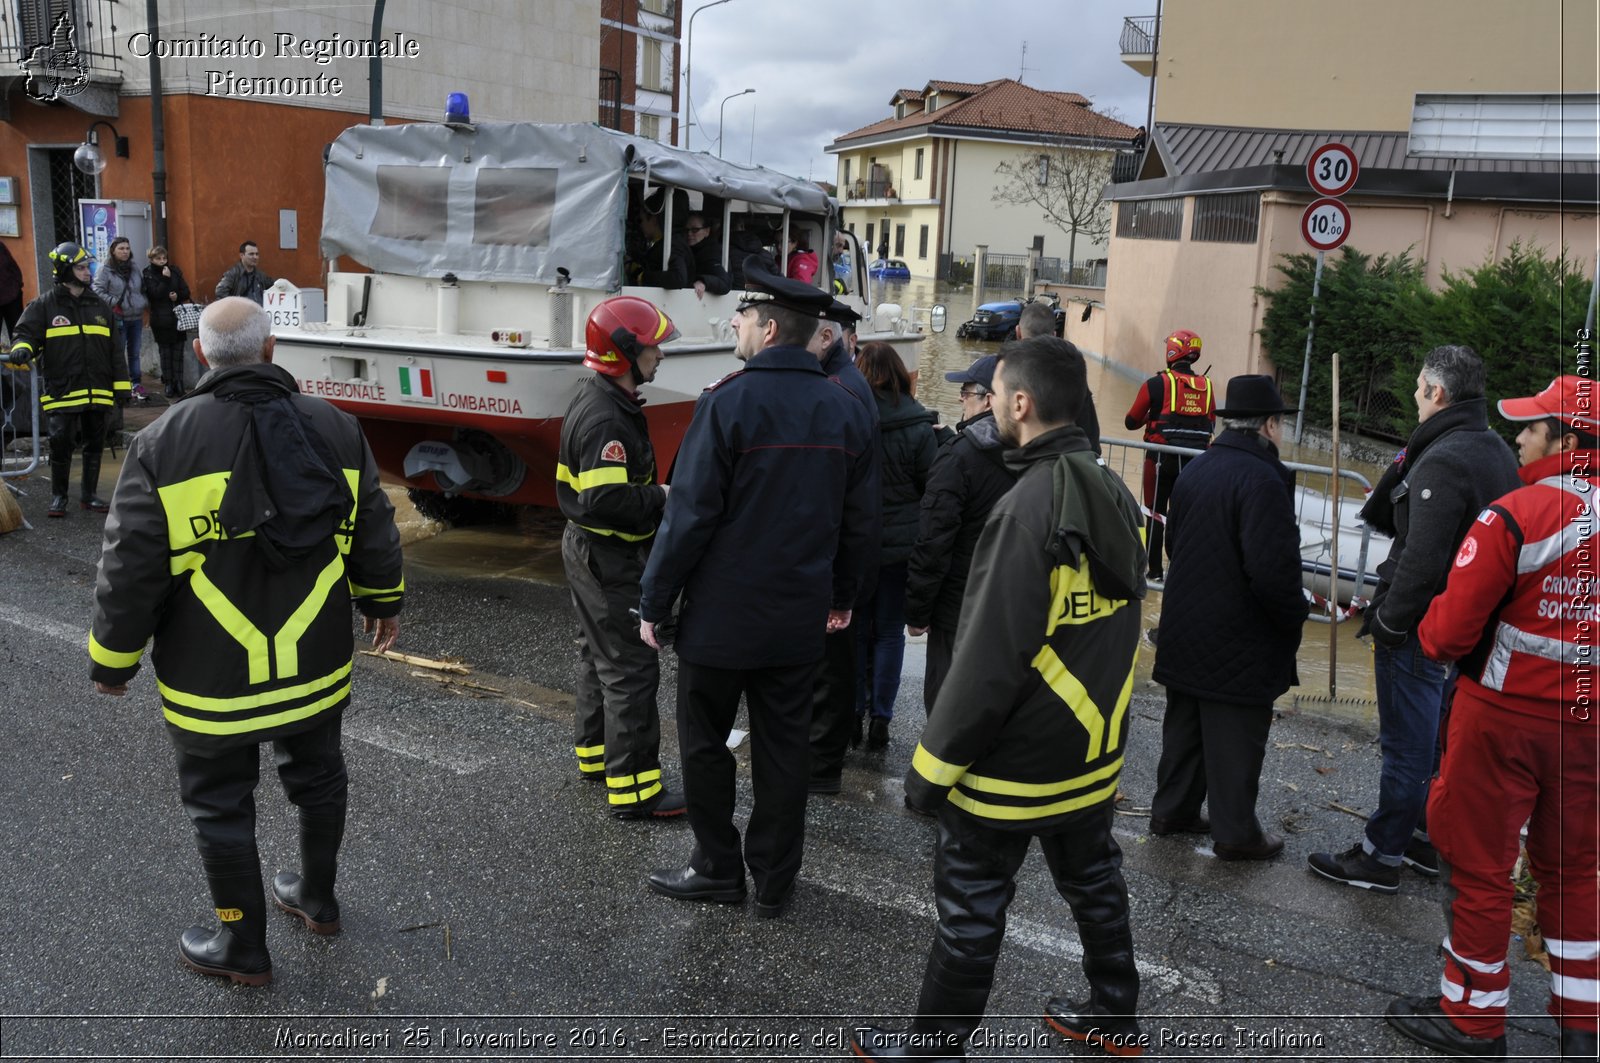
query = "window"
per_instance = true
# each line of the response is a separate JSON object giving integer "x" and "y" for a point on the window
{"x": 411, "y": 202}
{"x": 651, "y": 66}
{"x": 1150, "y": 219}
{"x": 512, "y": 206}
{"x": 846, "y": 181}
{"x": 1227, "y": 219}
{"x": 1044, "y": 170}
{"x": 899, "y": 241}
{"x": 869, "y": 236}
{"x": 656, "y": 7}
{"x": 922, "y": 243}
{"x": 919, "y": 164}
{"x": 650, "y": 126}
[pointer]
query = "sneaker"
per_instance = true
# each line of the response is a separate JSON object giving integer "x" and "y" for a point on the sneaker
{"x": 1421, "y": 857}
{"x": 1354, "y": 867}
{"x": 139, "y": 393}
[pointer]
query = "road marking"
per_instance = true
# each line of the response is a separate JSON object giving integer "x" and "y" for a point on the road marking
{"x": 392, "y": 742}
{"x": 39, "y": 625}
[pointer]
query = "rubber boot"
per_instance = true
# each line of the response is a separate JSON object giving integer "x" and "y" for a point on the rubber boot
{"x": 238, "y": 949}
{"x": 955, "y": 992}
{"x": 309, "y": 895}
{"x": 1106, "y": 1019}
{"x": 91, "y": 482}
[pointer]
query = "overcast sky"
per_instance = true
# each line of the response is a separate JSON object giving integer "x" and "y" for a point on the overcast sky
{"x": 824, "y": 67}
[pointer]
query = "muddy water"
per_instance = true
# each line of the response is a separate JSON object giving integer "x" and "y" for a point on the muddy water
{"x": 531, "y": 549}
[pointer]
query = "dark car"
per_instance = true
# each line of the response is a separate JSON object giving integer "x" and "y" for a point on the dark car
{"x": 993, "y": 321}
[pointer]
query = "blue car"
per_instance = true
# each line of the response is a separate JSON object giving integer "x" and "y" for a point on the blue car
{"x": 889, "y": 269}
{"x": 993, "y": 321}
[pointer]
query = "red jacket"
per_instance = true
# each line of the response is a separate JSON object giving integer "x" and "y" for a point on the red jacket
{"x": 1520, "y": 611}
{"x": 1176, "y": 408}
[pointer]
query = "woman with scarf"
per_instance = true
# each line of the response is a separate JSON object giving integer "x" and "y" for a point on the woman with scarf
{"x": 165, "y": 287}
{"x": 118, "y": 285}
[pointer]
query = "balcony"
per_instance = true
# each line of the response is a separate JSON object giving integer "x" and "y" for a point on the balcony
{"x": 1139, "y": 43}
{"x": 878, "y": 188}
{"x": 68, "y": 48}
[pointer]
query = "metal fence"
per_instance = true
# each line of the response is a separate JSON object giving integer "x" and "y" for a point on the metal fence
{"x": 19, "y": 420}
{"x": 1337, "y": 593}
{"x": 1004, "y": 271}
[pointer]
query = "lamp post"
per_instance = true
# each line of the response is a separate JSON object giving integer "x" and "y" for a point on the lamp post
{"x": 88, "y": 158}
{"x": 724, "y": 110}
{"x": 688, "y": 74}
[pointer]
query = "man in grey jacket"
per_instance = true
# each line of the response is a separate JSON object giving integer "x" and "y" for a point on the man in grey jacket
{"x": 244, "y": 278}
{"x": 1452, "y": 467}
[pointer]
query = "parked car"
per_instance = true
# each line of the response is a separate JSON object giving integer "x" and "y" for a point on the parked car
{"x": 890, "y": 269}
{"x": 993, "y": 321}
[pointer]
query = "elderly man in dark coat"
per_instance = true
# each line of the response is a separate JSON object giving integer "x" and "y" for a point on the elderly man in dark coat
{"x": 1231, "y": 616}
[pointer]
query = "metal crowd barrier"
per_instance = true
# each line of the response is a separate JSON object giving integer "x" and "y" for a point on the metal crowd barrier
{"x": 1337, "y": 597}
{"x": 20, "y": 420}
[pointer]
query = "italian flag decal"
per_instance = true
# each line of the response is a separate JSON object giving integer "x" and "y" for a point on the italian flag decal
{"x": 416, "y": 382}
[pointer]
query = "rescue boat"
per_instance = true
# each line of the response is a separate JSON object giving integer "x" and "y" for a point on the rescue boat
{"x": 485, "y": 247}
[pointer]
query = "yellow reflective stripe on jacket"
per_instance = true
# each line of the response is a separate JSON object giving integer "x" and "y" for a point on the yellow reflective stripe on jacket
{"x": 939, "y": 772}
{"x": 121, "y": 385}
{"x": 382, "y": 594}
{"x": 111, "y": 658}
{"x": 57, "y": 331}
{"x": 97, "y": 330}
{"x": 599, "y": 477}
{"x": 627, "y": 537}
{"x": 191, "y": 507}
{"x": 245, "y": 702}
{"x": 286, "y": 643}
{"x": 21, "y": 345}
{"x": 1074, "y": 599}
{"x": 1068, "y": 688}
{"x": 1022, "y": 812}
{"x": 1009, "y": 788}
{"x": 1124, "y": 699}
{"x": 255, "y": 723}
{"x": 235, "y": 623}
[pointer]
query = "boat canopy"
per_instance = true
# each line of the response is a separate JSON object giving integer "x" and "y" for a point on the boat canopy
{"x": 514, "y": 201}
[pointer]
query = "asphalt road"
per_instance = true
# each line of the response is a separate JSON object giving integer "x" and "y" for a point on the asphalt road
{"x": 492, "y": 910}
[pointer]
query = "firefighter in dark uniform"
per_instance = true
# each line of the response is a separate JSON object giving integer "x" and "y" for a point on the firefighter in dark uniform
{"x": 1175, "y": 407}
{"x": 763, "y": 540}
{"x": 245, "y": 523}
{"x": 72, "y": 332}
{"x": 606, "y": 486}
{"x": 1030, "y": 728}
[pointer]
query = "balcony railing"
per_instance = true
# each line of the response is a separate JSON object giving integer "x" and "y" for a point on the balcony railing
{"x": 27, "y": 24}
{"x": 862, "y": 189}
{"x": 1139, "y": 35}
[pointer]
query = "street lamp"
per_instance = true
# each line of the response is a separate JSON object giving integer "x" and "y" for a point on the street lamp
{"x": 88, "y": 158}
{"x": 688, "y": 74}
{"x": 724, "y": 110}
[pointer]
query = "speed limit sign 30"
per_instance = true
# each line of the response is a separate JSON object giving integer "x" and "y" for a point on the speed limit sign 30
{"x": 1332, "y": 169}
{"x": 1325, "y": 224}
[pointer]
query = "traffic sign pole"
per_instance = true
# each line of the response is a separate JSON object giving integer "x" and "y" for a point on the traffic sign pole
{"x": 1305, "y": 365}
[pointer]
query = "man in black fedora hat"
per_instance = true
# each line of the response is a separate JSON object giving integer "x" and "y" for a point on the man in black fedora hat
{"x": 1231, "y": 616}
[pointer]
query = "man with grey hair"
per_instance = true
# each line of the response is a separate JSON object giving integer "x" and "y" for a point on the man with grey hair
{"x": 246, "y": 522}
{"x": 1452, "y": 467}
{"x": 1231, "y": 616}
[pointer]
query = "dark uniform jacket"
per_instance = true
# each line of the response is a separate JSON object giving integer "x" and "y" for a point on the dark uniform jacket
{"x": 1031, "y": 724}
{"x": 906, "y": 429}
{"x": 1233, "y": 609}
{"x": 968, "y": 478}
{"x": 838, "y": 364}
{"x": 80, "y": 354}
{"x": 771, "y": 505}
{"x": 246, "y": 520}
{"x": 1454, "y": 466}
{"x": 606, "y": 469}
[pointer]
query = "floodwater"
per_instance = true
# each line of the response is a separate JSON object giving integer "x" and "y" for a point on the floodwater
{"x": 531, "y": 547}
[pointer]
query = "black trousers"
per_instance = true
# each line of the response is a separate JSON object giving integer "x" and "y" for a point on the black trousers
{"x": 67, "y": 430}
{"x": 941, "y": 654}
{"x": 617, "y": 727}
{"x": 1161, "y": 472}
{"x": 219, "y": 792}
{"x": 1212, "y": 751}
{"x": 975, "y": 872}
{"x": 833, "y": 704}
{"x": 780, "y": 763}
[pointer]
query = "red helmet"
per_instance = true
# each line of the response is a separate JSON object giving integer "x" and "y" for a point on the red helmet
{"x": 1182, "y": 345}
{"x": 620, "y": 329}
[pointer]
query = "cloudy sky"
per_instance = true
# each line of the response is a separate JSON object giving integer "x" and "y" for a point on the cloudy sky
{"x": 824, "y": 67}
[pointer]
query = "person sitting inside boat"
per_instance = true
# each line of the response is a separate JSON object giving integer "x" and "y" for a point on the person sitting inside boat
{"x": 744, "y": 241}
{"x": 644, "y": 268}
{"x": 841, "y": 264}
{"x": 802, "y": 262}
{"x": 706, "y": 252}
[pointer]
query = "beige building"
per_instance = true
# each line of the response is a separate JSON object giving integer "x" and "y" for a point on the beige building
{"x": 924, "y": 178}
{"x": 1222, "y": 188}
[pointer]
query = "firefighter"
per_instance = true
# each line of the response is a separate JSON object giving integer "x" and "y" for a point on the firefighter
{"x": 606, "y": 486}
{"x": 1175, "y": 407}
{"x": 1519, "y": 615}
{"x": 71, "y": 331}
{"x": 245, "y": 523}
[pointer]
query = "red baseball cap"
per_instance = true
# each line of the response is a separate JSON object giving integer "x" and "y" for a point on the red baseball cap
{"x": 1570, "y": 399}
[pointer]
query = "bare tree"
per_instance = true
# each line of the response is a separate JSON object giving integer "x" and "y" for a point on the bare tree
{"x": 1064, "y": 181}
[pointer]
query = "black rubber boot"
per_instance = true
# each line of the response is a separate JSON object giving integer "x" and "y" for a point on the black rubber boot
{"x": 309, "y": 895}
{"x": 89, "y": 499}
{"x": 238, "y": 949}
{"x": 955, "y": 992}
{"x": 1106, "y": 1019}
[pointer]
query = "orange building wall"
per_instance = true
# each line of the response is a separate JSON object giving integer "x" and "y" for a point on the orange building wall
{"x": 232, "y": 164}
